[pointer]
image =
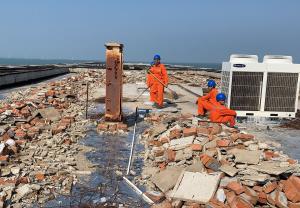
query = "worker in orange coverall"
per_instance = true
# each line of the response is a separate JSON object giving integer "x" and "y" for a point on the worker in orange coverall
{"x": 220, "y": 113}
{"x": 206, "y": 103}
{"x": 156, "y": 88}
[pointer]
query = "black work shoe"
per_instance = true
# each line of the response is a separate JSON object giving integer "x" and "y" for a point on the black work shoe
{"x": 200, "y": 116}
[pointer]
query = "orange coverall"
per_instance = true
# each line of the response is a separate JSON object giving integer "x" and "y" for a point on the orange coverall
{"x": 221, "y": 114}
{"x": 156, "y": 88}
{"x": 206, "y": 103}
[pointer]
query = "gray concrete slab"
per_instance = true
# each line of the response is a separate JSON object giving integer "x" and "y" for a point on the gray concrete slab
{"x": 201, "y": 187}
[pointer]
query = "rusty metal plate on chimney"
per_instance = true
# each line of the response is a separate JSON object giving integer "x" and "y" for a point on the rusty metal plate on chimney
{"x": 114, "y": 81}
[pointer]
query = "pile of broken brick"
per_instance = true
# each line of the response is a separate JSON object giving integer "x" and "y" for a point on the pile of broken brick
{"x": 39, "y": 130}
{"x": 194, "y": 163}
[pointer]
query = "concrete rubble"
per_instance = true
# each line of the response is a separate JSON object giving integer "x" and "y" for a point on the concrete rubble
{"x": 189, "y": 151}
{"x": 39, "y": 132}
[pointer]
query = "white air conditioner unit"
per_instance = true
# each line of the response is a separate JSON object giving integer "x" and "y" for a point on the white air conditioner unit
{"x": 267, "y": 89}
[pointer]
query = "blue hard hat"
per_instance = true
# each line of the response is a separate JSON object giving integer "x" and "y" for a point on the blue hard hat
{"x": 221, "y": 97}
{"x": 211, "y": 83}
{"x": 156, "y": 57}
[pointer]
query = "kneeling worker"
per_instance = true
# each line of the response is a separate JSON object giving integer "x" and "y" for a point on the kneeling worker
{"x": 206, "y": 103}
{"x": 220, "y": 113}
{"x": 157, "y": 75}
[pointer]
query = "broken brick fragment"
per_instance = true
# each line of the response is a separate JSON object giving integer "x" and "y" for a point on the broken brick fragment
{"x": 20, "y": 134}
{"x": 223, "y": 143}
{"x": 155, "y": 196}
{"x": 262, "y": 197}
{"x": 239, "y": 202}
{"x": 291, "y": 188}
{"x": 269, "y": 187}
{"x": 236, "y": 187}
{"x": 40, "y": 176}
{"x": 196, "y": 147}
{"x": 122, "y": 126}
{"x": 171, "y": 154}
{"x": 190, "y": 131}
{"x": 175, "y": 134}
{"x": 102, "y": 126}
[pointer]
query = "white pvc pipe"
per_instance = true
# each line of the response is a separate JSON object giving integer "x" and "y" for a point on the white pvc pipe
{"x": 138, "y": 191}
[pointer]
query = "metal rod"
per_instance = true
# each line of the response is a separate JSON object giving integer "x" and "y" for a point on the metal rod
{"x": 132, "y": 142}
{"x": 87, "y": 100}
{"x": 138, "y": 191}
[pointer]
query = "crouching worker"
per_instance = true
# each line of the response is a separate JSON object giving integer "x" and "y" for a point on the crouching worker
{"x": 206, "y": 103}
{"x": 157, "y": 75}
{"x": 220, "y": 113}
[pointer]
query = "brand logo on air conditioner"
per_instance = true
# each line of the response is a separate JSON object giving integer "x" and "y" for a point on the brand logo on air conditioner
{"x": 239, "y": 65}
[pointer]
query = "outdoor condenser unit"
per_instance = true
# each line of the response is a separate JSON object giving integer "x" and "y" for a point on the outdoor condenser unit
{"x": 267, "y": 89}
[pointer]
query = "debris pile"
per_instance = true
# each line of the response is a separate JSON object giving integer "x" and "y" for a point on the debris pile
{"x": 191, "y": 162}
{"x": 39, "y": 130}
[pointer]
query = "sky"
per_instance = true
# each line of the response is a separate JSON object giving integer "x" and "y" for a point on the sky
{"x": 190, "y": 31}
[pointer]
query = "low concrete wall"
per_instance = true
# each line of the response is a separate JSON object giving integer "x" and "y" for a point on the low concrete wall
{"x": 15, "y": 78}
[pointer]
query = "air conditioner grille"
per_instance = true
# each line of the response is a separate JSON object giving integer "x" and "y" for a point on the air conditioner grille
{"x": 281, "y": 92}
{"x": 246, "y": 91}
{"x": 225, "y": 83}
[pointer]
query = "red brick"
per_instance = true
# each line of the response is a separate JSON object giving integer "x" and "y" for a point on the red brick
{"x": 4, "y": 158}
{"x": 196, "y": 147}
{"x": 269, "y": 187}
{"x": 102, "y": 127}
{"x": 171, "y": 154}
{"x": 39, "y": 176}
{"x": 205, "y": 158}
{"x": 190, "y": 131}
{"x": 155, "y": 143}
{"x": 230, "y": 195}
{"x": 281, "y": 200}
{"x": 253, "y": 196}
{"x": 122, "y": 126}
{"x": 162, "y": 165}
{"x": 33, "y": 132}
{"x": 154, "y": 118}
{"x": 191, "y": 205}
{"x": 175, "y": 134}
{"x": 20, "y": 141}
{"x": 155, "y": 196}
{"x": 245, "y": 137}
{"x": 25, "y": 112}
{"x": 239, "y": 202}
{"x": 223, "y": 143}
{"x": 50, "y": 93}
{"x": 214, "y": 203}
{"x": 236, "y": 187}
{"x": 293, "y": 205}
{"x": 164, "y": 204}
{"x": 203, "y": 130}
{"x": 20, "y": 134}
{"x": 262, "y": 197}
{"x": 67, "y": 142}
{"x": 58, "y": 129}
{"x": 23, "y": 180}
{"x": 292, "y": 189}
{"x": 291, "y": 161}
{"x": 4, "y": 181}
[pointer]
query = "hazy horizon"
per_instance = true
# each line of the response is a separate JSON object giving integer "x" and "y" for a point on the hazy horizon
{"x": 181, "y": 32}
